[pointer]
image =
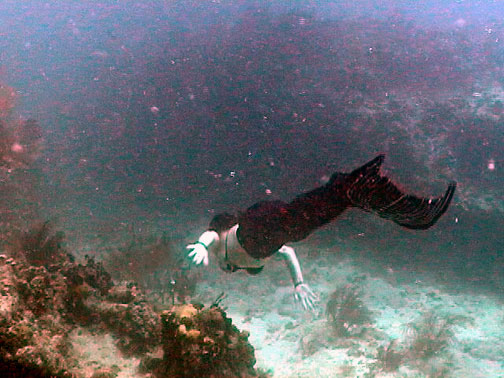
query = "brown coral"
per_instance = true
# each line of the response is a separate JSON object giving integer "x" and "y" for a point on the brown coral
{"x": 45, "y": 302}
{"x": 33, "y": 339}
{"x": 201, "y": 342}
{"x": 42, "y": 305}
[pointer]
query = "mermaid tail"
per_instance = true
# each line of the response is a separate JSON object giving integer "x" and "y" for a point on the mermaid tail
{"x": 267, "y": 225}
{"x": 370, "y": 191}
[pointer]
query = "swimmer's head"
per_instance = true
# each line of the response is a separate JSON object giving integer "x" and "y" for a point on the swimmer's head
{"x": 222, "y": 222}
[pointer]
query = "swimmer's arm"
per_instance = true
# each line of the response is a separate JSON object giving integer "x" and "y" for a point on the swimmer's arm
{"x": 302, "y": 292}
{"x": 293, "y": 264}
{"x": 199, "y": 250}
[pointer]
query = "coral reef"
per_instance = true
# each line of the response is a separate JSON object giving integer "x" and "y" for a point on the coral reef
{"x": 346, "y": 313}
{"x": 33, "y": 339}
{"x": 42, "y": 303}
{"x": 129, "y": 317}
{"x": 45, "y": 295}
{"x": 201, "y": 342}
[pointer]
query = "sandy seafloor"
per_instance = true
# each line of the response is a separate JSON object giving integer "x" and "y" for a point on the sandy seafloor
{"x": 290, "y": 342}
{"x": 278, "y": 329}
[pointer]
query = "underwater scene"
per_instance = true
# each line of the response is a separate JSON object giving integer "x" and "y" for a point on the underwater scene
{"x": 252, "y": 188}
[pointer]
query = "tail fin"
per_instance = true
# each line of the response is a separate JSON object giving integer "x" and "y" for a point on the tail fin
{"x": 370, "y": 191}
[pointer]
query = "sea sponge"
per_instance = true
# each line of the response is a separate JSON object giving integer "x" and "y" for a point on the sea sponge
{"x": 185, "y": 311}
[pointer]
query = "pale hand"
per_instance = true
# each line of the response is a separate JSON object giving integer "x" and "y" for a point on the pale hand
{"x": 305, "y": 296}
{"x": 198, "y": 253}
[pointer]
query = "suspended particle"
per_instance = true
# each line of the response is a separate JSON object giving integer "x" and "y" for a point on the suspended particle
{"x": 491, "y": 164}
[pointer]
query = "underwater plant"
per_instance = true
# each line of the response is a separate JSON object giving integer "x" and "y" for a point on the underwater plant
{"x": 139, "y": 258}
{"x": 431, "y": 336}
{"x": 151, "y": 262}
{"x": 346, "y": 313}
{"x": 388, "y": 359}
{"x": 41, "y": 245}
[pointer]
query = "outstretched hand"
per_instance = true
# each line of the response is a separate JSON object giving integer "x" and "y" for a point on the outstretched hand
{"x": 198, "y": 253}
{"x": 305, "y": 296}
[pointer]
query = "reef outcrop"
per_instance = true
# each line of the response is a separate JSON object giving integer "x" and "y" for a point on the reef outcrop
{"x": 43, "y": 305}
{"x": 203, "y": 342}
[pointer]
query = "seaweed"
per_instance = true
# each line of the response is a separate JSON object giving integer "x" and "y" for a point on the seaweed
{"x": 139, "y": 258}
{"x": 218, "y": 301}
{"x": 388, "y": 359}
{"x": 41, "y": 245}
{"x": 346, "y": 312}
{"x": 151, "y": 262}
{"x": 431, "y": 336}
{"x": 426, "y": 350}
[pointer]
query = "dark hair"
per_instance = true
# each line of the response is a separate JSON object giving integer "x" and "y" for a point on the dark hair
{"x": 222, "y": 222}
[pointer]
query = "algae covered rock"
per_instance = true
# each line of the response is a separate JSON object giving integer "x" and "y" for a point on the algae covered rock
{"x": 41, "y": 305}
{"x": 200, "y": 342}
{"x": 127, "y": 315}
{"x": 45, "y": 307}
{"x": 33, "y": 339}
